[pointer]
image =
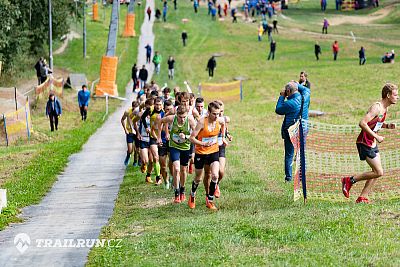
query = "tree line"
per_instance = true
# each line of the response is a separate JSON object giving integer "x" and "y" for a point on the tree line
{"x": 24, "y": 29}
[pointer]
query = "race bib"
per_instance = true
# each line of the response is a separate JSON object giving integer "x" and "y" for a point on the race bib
{"x": 213, "y": 140}
{"x": 220, "y": 143}
{"x": 146, "y": 139}
{"x": 378, "y": 126}
{"x": 177, "y": 139}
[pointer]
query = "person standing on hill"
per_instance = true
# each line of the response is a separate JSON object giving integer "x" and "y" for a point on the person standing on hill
{"x": 157, "y": 62}
{"x": 134, "y": 77}
{"x": 53, "y": 111}
{"x": 303, "y": 80}
{"x": 143, "y": 74}
{"x": 323, "y": 5}
{"x": 38, "y": 66}
{"x": 148, "y": 53}
{"x": 184, "y": 37}
{"x": 83, "y": 101}
{"x": 367, "y": 141}
{"x": 164, "y": 11}
{"x": 149, "y": 12}
{"x": 171, "y": 66}
{"x": 272, "y": 48}
{"x": 211, "y": 66}
{"x": 361, "y": 55}
{"x": 325, "y": 25}
{"x": 317, "y": 50}
{"x": 275, "y": 23}
{"x": 335, "y": 49}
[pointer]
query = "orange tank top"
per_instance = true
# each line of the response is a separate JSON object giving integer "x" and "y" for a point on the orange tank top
{"x": 205, "y": 136}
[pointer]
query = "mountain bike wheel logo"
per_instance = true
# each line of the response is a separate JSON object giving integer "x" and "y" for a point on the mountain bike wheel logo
{"x": 22, "y": 242}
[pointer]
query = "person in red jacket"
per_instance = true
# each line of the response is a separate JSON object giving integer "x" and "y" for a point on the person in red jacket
{"x": 335, "y": 49}
{"x": 149, "y": 12}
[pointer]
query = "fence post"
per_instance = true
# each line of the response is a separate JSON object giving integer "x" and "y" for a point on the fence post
{"x": 106, "y": 104}
{"x": 26, "y": 118}
{"x": 5, "y": 128}
{"x": 241, "y": 90}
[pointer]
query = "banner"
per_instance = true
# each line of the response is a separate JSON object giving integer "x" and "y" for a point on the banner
{"x": 226, "y": 92}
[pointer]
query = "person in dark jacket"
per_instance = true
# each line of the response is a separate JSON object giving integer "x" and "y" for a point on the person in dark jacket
{"x": 134, "y": 76}
{"x": 303, "y": 80}
{"x": 184, "y": 37}
{"x": 53, "y": 111}
{"x": 361, "y": 55}
{"x": 148, "y": 53}
{"x": 295, "y": 94}
{"x": 143, "y": 74}
{"x": 317, "y": 50}
{"x": 272, "y": 48}
{"x": 38, "y": 66}
{"x": 211, "y": 66}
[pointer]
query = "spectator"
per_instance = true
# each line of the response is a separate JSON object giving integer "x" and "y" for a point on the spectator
{"x": 164, "y": 11}
{"x": 143, "y": 74}
{"x": 303, "y": 80}
{"x": 388, "y": 57}
{"x": 184, "y": 37}
{"x": 53, "y": 111}
{"x": 175, "y": 4}
{"x": 361, "y": 55}
{"x": 233, "y": 14}
{"x": 323, "y": 5}
{"x": 335, "y": 49}
{"x": 195, "y": 5}
{"x": 38, "y": 66}
{"x": 83, "y": 101}
{"x": 260, "y": 32}
{"x": 325, "y": 26}
{"x": 225, "y": 9}
{"x": 157, "y": 61}
{"x": 211, "y": 66}
{"x": 275, "y": 23}
{"x": 213, "y": 13}
{"x": 158, "y": 14}
{"x": 296, "y": 96}
{"x": 44, "y": 71}
{"x": 149, "y": 12}
{"x": 171, "y": 65}
{"x": 272, "y": 48}
{"x": 148, "y": 53}
{"x": 134, "y": 77}
{"x": 317, "y": 50}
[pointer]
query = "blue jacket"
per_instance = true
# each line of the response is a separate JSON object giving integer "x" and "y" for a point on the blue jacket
{"x": 83, "y": 98}
{"x": 291, "y": 107}
{"x": 57, "y": 107}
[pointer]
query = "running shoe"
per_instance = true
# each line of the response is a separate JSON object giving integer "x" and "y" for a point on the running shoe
{"x": 158, "y": 182}
{"x": 346, "y": 185}
{"x": 210, "y": 205}
{"x": 183, "y": 197}
{"x": 135, "y": 164}
{"x": 191, "y": 202}
{"x": 362, "y": 200}
{"x": 177, "y": 199}
{"x": 148, "y": 180}
{"x": 217, "y": 193}
{"x": 143, "y": 168}
{"x": 126, "y": 161}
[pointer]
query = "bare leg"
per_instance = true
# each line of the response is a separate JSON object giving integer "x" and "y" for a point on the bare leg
{"x": 377, "y": 171}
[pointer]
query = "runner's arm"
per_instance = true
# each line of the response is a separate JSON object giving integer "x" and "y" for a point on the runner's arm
{"x": 195, "y": 132}
{"x": 123, "y": 122}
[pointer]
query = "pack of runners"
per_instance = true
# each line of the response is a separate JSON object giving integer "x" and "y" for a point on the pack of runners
{"x": 169, "y": 137}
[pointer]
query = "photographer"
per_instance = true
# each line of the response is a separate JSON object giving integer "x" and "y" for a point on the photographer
{"x": 295, "y": 94}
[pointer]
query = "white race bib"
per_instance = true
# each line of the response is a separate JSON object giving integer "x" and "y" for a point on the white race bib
{"x": 378, "y": 126}
{"x": 220, "y": 143}
{"x": 213, "y": 140}
{"x": 146, "y": 139}
{"x": 177, "y": 139}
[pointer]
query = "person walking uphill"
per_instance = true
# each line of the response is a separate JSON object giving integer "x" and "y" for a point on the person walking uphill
{"x": 184, "y": 37}
{"x": 53, "y": 111}
{"x": 149, "y": 12}
{"x": 148, "y": 52}
{"x": 361, "y": 55}
{"x": 157, "y": 62}
{"x": 211, "y": 66}
{"x": 335, "y": 49}
{"x": 317, "y": 50}
{"x": 272, "y": 48}
{"x": 83, "y": 101}
{"x": 325, "y": 25}
{"x": 296, "y": 95}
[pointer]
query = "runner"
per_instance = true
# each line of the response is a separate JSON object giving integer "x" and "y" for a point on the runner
{"x": 222, "y": 158}
{"x": 179, "y": 147}
{"x": 127, "y": 124}
{"x": 200, "y": 107}
{"x": 205, "y": 137}
{"x": 144, "y": 138}
{"x": 151, "y": 129}
{"x": 367, "y": 147}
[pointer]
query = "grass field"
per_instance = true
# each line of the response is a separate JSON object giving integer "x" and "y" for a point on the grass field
{"x": 29, "y": 169}
{"x": 258, "y": 223}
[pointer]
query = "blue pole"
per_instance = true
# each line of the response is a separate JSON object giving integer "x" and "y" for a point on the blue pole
{"x": 303, "y": 162}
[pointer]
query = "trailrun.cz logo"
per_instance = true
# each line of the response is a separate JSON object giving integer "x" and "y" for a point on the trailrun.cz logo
{"x": 22, "y": 242}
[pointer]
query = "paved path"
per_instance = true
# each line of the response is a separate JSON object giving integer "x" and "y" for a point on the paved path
{"x": 81, "y": 200}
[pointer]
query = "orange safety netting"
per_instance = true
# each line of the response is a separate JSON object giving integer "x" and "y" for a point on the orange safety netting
{"x": 51, "y": 84}
{"x": 95, "y": 9}
{"x": 129, "y": 30}
{"x": 108, "y": 75}
{"x": 331, "y": 154}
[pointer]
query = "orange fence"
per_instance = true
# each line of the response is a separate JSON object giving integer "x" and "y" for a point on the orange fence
{"x": 108, "y": 75}
{"x": 95, "y": 12}
{"x": 129, "y": 30}
{"x": 51, "y": 84}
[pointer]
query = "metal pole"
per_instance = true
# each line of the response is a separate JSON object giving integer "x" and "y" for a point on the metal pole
{"x": 84, "y": 31}
{"x": 50, "y": 37}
